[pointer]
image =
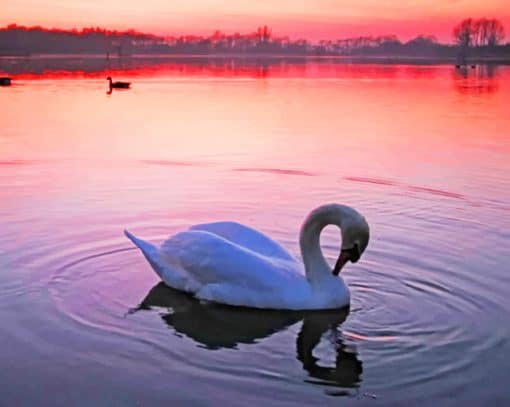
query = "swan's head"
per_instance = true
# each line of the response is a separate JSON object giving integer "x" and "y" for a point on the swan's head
{"x": 109, "y": 78}
{"x": 355, "y": 234}
{"x": 355, "y": 237}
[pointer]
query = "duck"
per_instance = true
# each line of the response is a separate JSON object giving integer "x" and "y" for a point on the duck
{"x": 5, "y": 81}
{"x": 118, "y": 85}
{"x": 233, "y": 264}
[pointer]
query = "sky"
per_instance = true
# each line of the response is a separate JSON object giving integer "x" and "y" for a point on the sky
{"x": 311, "y": 19}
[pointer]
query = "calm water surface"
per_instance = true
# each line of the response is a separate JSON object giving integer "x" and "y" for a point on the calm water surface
{"x": 422, "y": 152}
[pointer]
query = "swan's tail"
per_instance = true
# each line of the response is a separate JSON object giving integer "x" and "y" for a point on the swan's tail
{"x": 145, "y": 247}
{"x": 164, "y": 270}
{"x": 149, "y": 250}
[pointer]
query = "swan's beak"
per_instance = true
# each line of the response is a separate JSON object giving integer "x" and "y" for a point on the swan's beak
{"x": 345, "y": 256}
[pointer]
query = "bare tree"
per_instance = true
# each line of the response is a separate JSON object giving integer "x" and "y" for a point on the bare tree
{"x": 483, "y": 24}
{"x": 464, "y": 33}
{"x": 495, "y": 32}
{"x": 479, "y": 33}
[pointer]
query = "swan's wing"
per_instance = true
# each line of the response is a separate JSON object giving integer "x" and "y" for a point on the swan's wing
{"x": 246, "y": 237}
{"x": 211, "y": 259}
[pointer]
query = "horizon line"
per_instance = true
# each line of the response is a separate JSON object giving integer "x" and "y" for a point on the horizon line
{"x": 135, "y": 31}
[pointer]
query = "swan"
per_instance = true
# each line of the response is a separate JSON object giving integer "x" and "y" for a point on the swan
{"x": 118, "y": 85}
{"x": 233, "y": 264}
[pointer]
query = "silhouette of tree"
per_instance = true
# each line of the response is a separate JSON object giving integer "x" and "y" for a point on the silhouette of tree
{"x": 495, "y": 32}
{"x": 482, "y": 36}
{"x": 464, "y": 33}
{"x": 479, "y": 33}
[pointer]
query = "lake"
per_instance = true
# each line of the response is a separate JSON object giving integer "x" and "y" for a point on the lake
{"x": 423, "y": 152}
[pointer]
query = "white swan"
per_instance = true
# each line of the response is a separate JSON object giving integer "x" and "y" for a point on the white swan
{"x": 232, "y": 264}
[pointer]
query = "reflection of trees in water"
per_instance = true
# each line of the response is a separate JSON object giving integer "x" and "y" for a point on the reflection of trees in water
{"x": 476, "y": 79}
{"x": 251, "y": 67}
{"x": 97, "y": 66}
{"x": 481, "y": 79}
{"x": 216, "y": 327}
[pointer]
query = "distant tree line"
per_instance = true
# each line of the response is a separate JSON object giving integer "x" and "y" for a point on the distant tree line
{"x": 21, "y": 40}
{"x": 486, "y": 34}
{"x": 479, "y": 38}
{"x": 479, "y": 33}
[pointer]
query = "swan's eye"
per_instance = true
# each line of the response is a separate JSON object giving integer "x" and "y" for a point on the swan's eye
{"x": 355, "y": 254}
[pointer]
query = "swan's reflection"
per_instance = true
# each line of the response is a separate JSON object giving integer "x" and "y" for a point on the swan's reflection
{"x": 217, "y": 326}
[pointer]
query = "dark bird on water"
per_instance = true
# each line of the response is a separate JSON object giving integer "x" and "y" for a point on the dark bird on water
{"x": 5, "y": 81}
{"x": 118, "y": 85}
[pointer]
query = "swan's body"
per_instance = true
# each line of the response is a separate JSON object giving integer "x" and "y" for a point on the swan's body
{"x": 229, "y": 263}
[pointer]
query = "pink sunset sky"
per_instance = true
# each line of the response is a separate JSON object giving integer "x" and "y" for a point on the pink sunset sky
{"x": 311, "y": 19}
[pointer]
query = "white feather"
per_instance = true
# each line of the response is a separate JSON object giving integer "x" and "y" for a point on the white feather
{"x": 233, "y": 264}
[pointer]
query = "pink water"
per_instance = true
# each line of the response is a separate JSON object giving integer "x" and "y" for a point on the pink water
{"x": 422, "y": 151}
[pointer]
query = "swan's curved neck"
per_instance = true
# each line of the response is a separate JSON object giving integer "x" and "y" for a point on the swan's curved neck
{"x": 317, "y": 269}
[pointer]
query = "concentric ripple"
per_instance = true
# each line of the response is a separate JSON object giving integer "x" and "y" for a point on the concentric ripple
{"x": 105, "y": 286}
{"x": 85, "y": 320}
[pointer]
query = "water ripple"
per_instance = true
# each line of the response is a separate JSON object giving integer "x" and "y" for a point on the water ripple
{"x": 278, "y": 171}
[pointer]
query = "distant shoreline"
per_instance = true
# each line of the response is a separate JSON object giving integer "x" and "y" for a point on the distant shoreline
{"x": 476, "y": 42}
{"x": 262, "y": 57}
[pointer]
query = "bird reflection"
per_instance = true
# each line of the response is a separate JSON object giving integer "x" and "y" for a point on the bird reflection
{"x": 215, "y": 326}
{"x": 348, "y": 368}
